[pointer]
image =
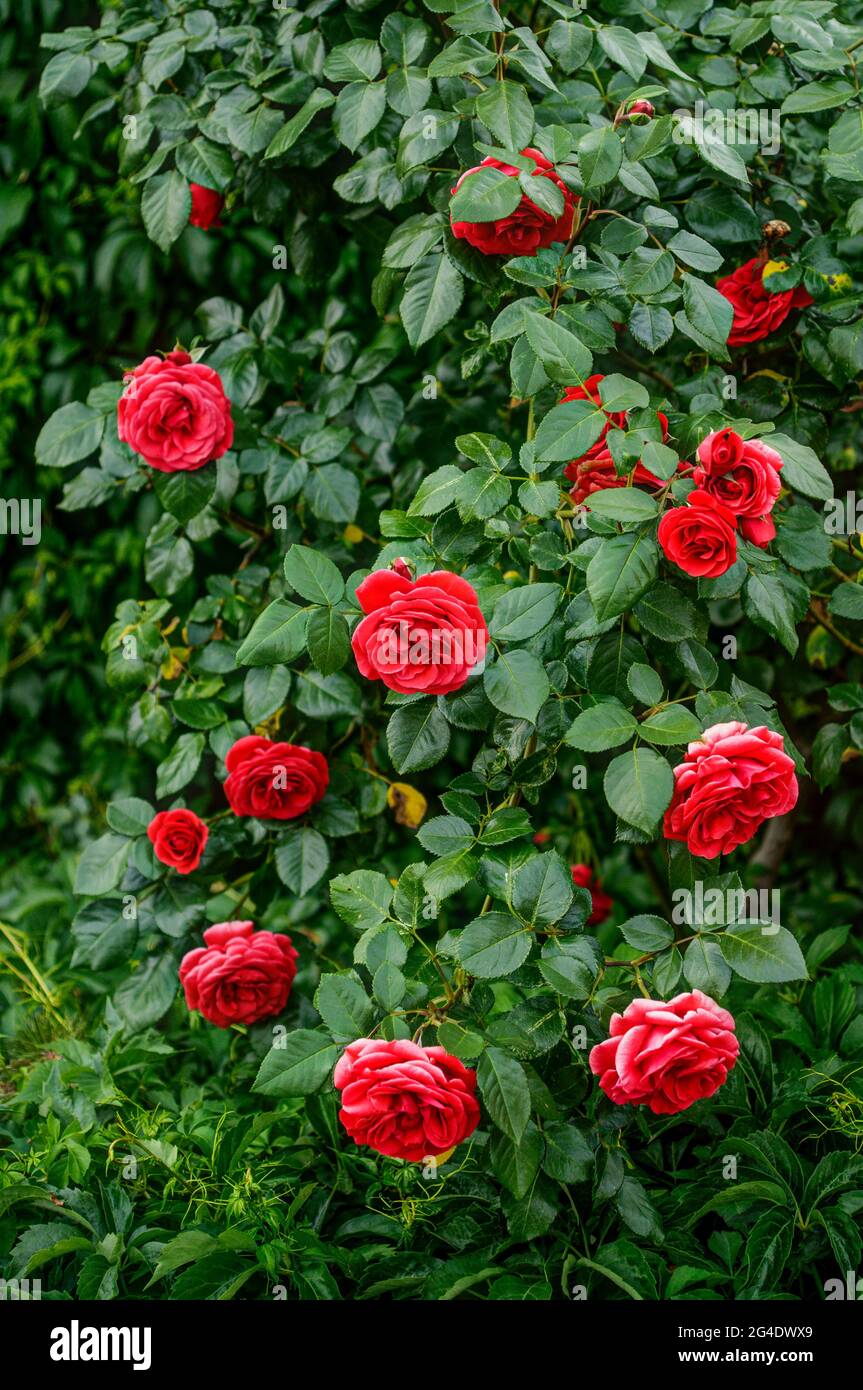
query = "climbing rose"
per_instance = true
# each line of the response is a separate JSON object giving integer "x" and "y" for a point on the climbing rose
{"x": 756, "y": 312}
{"x": 601, "y": 903}
{"x": 178, "y": 839}
{"x": 526, "y": 229}
{"x": 274, "y": 781}
{"x": 732, "y": 780}
{"x": 742, "y": 474}
{"x": 666, "y": 1056}
{"x": 403, "y": 1100}
{"x": 419, "y": 635}
{"x": 240, "y": 976}
{"x": 206, "y": 206}
{"x": 174, "y": 413}
{"x": 700, "y": 537}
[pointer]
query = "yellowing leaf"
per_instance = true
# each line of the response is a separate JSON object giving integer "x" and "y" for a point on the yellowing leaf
{"x": 409, "y": 805}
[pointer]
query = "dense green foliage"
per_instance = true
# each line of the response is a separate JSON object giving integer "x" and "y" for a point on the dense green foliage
{"x": 396, "y": 393}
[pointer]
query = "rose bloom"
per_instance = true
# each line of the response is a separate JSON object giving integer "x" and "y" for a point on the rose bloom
{"x": 742, "y": 474}
{"x": 601, "y": 903}
{"x": 526, "y": 229}
{"x": 273, "y": 781}
{"x": 731, "y": 781}
{"x": 700, "y": 537}
{"x": 175, "y": 414}
{"x": 403, "y": 1100}
{"x": 178, "y": 839}
{"x": 595, "y": 469}
{"x": 757, "y": 313}
{"x": 423, "y": 634}
{"x": 666, "y": 1056}
{"x": 240, "y": 976}
{"x": 206, "y": 206}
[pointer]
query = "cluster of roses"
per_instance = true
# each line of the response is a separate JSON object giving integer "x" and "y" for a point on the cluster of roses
{"x": 399, "y": 1098}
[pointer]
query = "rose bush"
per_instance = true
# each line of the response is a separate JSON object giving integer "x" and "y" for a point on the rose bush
{"x": 374, "y": 421}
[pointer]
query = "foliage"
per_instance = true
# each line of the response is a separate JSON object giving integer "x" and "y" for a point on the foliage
{"x": 396, "y": 394}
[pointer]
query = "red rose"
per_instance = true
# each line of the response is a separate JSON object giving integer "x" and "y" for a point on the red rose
{"x": 240, "y": 976}
{"x": 700, "y": 538}
{"x": 274, "y": 781}
{"x": 206, "y": 206}
{"x": 666, "y": 1056}
{"x": 732, "y": 780}
{"x": 175, "y": 414}
{"x": 524, "y": 231}
{"x": 595, "y": 470}
{"x": 403, "y": 1100}
{"x": 178, "y": 838}
{"x": 601, "y": 903}
{"x": 757, "y": 313}
{"x": 641, "y": 108}
{"x": 422, "y": 635}
{"x": 744, "y": 476}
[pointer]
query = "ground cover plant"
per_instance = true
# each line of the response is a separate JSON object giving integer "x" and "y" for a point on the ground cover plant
{"x": 432, "y": 819}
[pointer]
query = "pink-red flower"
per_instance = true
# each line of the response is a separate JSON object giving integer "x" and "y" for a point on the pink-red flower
{"x": 240, "y": 976}
{"x": 207, "y": 204}
{"x": 178, "y": 839}
{"x": 666, "y": 1056}
{"x": 273, "y": 781}
{"x": 700, "y": 537}
{"x": 424, "y": 635}
{"x": 601, "y": 903}
{"x": 526, "y": 229}
{"x": 756, "y": 312}
{"x": 731, "y": 781}
{"x": 175, "y": 414}
{"x": 404, "y": 1100}
{"x": 742, "y": 474}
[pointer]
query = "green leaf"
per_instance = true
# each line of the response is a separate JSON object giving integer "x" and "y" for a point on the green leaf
{"x": 624, "y": 504}
{"x": 517, "y": 684}
{"x": 846, "y": 601}
{"x": 362, "y": 898}
{"x": 333, "y": 493}
{"x": 542, "y": 890}
{"x": 359, "y": 108}
{"x": 801, "y": 468}
{"x": 525, "y": 611}
{"x": 673, "y": 725}
{"x": 620, "y": 572}
{"x": 433, "y": 293}
{"x": 638, "y": 786}
{"x": 506, "y": 109}
{"x": 277, "y": 636}
{"x": 297, "y": 1064}
{"x": 776, "y": 602}
{"x": 313, "y": 575}
{"x": 148, "y": 993}
{"x": 600, "y": 727}
{"x": 184, "y": 495}
{"x": 102, "y": 864}
{"x": 563, "y": 356}
{"x": 344, "y": 1006}
{"x": 291, "y": 131}
{"x": 817, "y": 96}
{"x": 485, "y": 196}
{"x": 493, "y": 945}
{"x": 328, "y": 640}
{"x": 568, "y": 1155}
{"x": 569, "y": 430}
{"x": 647, "y": 933}
{"x": 600, "y": 155}
{"x": 70, "y": 434}
{"x": 418, "y": 736}
{"x": 165, "y": 208}
{"x": 764, "y": 956}
{"x": 180, "y": 766}
{"x": 504, "y": 1090}
{"x": 302, "y": 860}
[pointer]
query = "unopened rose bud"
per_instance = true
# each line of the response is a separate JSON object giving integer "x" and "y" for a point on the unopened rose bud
{"x": 402, "y": 567}
{"x": 641, "y": 108}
